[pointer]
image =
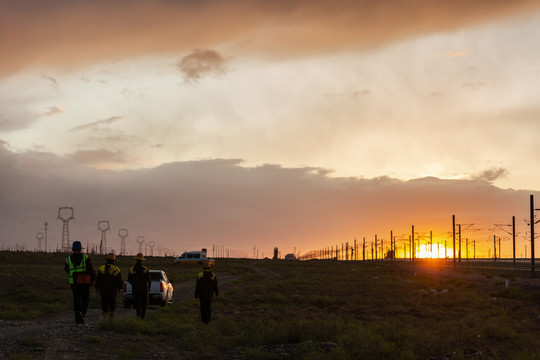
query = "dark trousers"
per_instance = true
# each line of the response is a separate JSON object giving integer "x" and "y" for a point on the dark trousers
{"x": 108, "y": 303}
{"x": 140, "y": 303}
{"x": 81, "y": 299}
{"x": 205, "y": 310}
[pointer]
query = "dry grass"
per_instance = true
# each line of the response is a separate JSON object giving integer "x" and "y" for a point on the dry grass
{"x": 364, "y": 310}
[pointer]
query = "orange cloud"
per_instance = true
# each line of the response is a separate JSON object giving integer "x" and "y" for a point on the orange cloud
{"x": 63, "y": 33}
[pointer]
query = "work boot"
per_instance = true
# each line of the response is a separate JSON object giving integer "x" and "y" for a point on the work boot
{"x": 79, "y": 318}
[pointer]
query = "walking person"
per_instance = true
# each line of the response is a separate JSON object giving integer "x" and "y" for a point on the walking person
{"x": 108, "y": 283}
{"x": 81, "y": 276}
{"x": 139, "y": 278}
{"x": 205, "y": 288}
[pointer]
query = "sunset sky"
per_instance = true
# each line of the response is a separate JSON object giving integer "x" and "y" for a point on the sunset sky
{"x": 298, "y": 124}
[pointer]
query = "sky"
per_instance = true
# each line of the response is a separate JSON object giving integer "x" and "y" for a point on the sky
{"x": 253, "y": 124}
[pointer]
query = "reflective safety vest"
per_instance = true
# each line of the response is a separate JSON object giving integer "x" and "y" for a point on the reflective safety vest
{"x": 73, "y": 269}
{"x": 144, "y": 270}
{"x": 113, "y": 270}
{"x": 201, "y": 275}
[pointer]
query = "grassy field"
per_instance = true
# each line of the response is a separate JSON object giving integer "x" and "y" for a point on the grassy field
{"x": 320, "y": 309}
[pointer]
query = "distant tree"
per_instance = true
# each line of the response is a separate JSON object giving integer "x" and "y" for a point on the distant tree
{"x": 276, "y": 253}
{"x": 389, "y": 254}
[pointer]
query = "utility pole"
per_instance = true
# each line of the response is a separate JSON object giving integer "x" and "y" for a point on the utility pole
{"x": 532, "y": 235}
{"x": 459, "y": 239}
{"x": 376, "y": 257}
{"x": 445, "y": 250}
{"x": 392, "y": 245}
{"x": 514, "y": 240}
{"x": 431, "y": 243}
{"x": 412, "y": 248}
{"x": 364, "y": 250}
{"x": 494, "y": 249}
{"x": 454, "y": 237}
{"x": 46, "y": 236}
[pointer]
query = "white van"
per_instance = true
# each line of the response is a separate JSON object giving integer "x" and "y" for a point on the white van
{"x": 194, "y": 257}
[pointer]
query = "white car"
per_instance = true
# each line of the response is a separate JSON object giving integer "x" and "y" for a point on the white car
{"x": 194, "y": 258}
{"x": 161, "y": 290}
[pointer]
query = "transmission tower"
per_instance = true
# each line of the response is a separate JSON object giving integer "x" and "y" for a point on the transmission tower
{"x": 39, "y": 237}
{"x": 103, "y": 226}
{"x": 123, "y": 233}
{"x": 159, "y": 249}
{"x": 140, "y": 241}
{"x": 151, "y": 245}
{"x": 65, "y": 214}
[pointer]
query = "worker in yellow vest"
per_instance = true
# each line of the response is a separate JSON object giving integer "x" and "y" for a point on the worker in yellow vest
{"x": 139, "y": 278}
{"x": 81, "y": 276}
{"x": 205, "y": 287}
{"x": 108, "y": 283}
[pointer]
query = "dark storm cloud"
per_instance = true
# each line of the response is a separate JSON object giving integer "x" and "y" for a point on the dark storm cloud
{"x": 201, "y": 63}
{"x": 186, "y": 205}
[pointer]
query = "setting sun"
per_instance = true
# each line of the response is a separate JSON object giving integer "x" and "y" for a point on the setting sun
{"x": 434, "y": 251}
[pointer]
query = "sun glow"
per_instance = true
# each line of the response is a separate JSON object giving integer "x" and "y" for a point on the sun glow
{"x": 433, "y": 251}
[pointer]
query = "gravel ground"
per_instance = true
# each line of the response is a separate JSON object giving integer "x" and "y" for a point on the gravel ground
{"x": 56, "y": 336}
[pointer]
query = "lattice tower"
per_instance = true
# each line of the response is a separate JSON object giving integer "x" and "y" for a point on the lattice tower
{"x": 103, "y": 226}
{"x": 39, "y": 237}
{"x": 65, "y": 214}
{"x": 123, "y": 233}
{"x": 140, "y": 241}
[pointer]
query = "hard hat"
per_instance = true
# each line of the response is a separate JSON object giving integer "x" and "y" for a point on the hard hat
{"x": 140, "y": 256}
{"x": 111, "y": 256}
{"x": 76, "y": 245}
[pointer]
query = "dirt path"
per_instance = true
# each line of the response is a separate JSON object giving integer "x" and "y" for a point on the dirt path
{"x": 56, "y": 336}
